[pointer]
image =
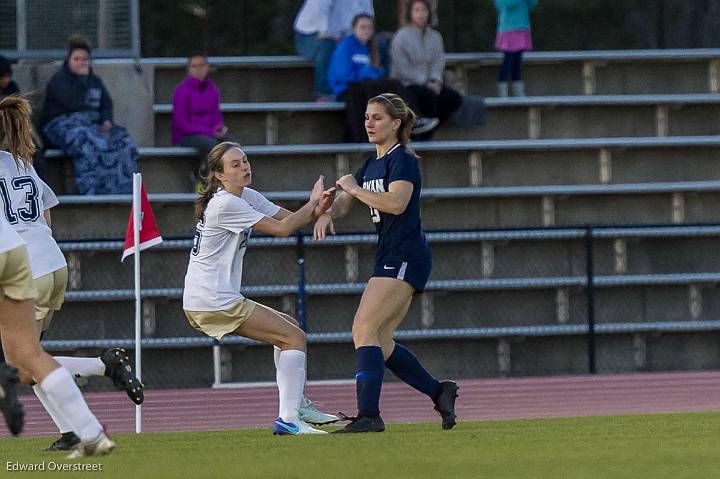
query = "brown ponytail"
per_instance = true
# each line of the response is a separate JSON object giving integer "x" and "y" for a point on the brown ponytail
{"x": 398, "y": 109}
{"x": 214, "y": 165}
{"x": 16, "y": 129}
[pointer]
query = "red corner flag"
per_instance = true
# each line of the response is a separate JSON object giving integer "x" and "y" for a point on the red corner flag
{"x": 149, "y": 234}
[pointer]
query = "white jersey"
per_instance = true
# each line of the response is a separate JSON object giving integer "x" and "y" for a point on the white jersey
{"x": 214, "y": 274}
{"x": 9, "y": 239}
{"x": 24, "y": 198}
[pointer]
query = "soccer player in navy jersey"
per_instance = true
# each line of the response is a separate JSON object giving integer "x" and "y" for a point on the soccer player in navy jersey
{"x": 389, "y": 184}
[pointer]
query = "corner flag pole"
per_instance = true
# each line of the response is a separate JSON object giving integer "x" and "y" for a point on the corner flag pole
{"x": 137, "y": 225}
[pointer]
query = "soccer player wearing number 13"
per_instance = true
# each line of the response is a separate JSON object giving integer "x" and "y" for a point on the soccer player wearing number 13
{"x": 389, "y": 183}
{"x": 25, "y": 202}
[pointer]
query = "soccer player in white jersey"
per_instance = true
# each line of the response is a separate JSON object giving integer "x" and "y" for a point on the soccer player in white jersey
{"x": 17, "y": 329}
{"x": 26, "y": 202}
{"x": 227, "y": 213}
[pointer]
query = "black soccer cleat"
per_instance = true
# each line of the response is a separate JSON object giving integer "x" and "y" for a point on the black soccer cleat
{"x": 361, "y": 424}
{"x": 9, "y": 404}
{"x": 117, "y": 368}
{"x": 67, "y": 442}
{"x": 445, "y": 403}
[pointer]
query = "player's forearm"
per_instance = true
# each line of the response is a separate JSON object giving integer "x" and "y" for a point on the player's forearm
{"x": 298, "y": 219}
{"x": 339, "y": 208}
{"x": 388, "y": 202}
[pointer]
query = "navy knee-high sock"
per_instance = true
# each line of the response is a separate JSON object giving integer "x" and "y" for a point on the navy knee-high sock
{"x": 403, "y": 363}
{"x": 370, "y": 370}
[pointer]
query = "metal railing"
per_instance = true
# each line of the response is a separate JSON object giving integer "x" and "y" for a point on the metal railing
{"x": 590, "y": 283}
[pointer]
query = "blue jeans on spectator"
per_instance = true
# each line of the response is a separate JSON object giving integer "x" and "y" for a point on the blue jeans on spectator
{"x": 511, "y": 68}
{"x": 320, "y": 51}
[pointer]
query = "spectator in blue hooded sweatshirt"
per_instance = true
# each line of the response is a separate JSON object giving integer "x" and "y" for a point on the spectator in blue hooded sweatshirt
{"x": 355, "y": 58}
{"x": 355, "y": 76}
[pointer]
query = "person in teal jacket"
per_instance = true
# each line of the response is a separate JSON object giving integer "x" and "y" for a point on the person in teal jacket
{"x": 513, "y": 38}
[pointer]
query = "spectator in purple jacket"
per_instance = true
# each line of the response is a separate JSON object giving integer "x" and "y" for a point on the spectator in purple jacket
{"x": 196, "y": 118}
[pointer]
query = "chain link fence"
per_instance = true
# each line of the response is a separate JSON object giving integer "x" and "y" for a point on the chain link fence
{"x": 40, "y": 28}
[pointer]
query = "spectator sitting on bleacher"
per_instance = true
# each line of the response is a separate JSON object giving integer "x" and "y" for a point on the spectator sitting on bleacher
{"x": 7, "y": 85}
{"x": 77, "y": 117}
{"x": 355, "y": 76}
{"x": 418, "y": 61}
{"x": 355, "y": 58}
{"x": 197, "y": 121}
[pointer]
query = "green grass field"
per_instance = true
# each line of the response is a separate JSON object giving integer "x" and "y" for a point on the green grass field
{"x": 647, "y": 446}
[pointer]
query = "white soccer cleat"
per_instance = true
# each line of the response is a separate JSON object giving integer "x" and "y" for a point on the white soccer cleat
{"x": 283, "y": 428}
{"x": 100, "y": 446}
{"x": 309, "y": 413}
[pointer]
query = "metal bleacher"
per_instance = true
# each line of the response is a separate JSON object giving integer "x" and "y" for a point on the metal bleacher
{"x": 622, "y": 141}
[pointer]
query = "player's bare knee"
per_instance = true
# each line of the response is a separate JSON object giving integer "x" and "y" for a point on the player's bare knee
{"x": 364, "y": 333}
{"x": 294, "y": 339}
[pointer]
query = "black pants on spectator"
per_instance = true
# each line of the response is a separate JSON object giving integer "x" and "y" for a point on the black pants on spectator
{"x": 434, "y": 105}
{"x": 356, "y": 97}
{"x": 511, "y": 68}
{"x": 204, "y": 144}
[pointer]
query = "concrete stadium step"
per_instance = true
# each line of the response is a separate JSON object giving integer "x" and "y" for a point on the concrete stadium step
{"x": 105, "y": 217}
{"x": 243, "y": 79}
{"x": 447, "y": 163}
{"x": 530, "y": 117}
{"x": 268, "y": 262}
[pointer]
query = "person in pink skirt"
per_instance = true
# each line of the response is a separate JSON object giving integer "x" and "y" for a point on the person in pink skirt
{"x": 513, "y": 38}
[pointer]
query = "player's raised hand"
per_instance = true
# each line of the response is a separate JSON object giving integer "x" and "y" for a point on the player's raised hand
{"x": 326, "y": 201}
{"x": 317, "y": 191}
{"x": 322, "y": 225}
{"x": 347, "y": 183}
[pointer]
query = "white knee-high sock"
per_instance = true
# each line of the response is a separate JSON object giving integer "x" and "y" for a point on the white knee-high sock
{"x": 290, "y": 381}
{"x": 55, "y": 415}
{"x": 64, "y": 395}
{"x": 82, "y": 366}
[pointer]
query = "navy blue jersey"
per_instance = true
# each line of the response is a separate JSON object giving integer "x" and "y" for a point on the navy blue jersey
{"x": 400, "y": 237}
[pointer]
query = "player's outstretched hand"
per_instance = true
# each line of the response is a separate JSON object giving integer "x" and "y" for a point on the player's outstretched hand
{"x": 347, "y": 183}
{"x": 317, "y": 191}
{"x": 322, "y": 225}
{"x": 326, "y": 201}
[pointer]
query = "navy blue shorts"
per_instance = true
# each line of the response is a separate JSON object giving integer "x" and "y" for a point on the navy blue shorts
{"x": 415, "y": 273}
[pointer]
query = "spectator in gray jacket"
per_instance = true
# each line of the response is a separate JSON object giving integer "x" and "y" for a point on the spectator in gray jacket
{"x": 418, "y": 61}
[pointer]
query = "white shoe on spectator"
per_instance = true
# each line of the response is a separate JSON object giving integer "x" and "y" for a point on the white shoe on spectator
{"x": 424, "y": 124}
{"x": 502, "y": 89}
{"x": 517, "y": 88}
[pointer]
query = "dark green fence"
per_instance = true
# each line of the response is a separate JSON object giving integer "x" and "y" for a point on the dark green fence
{"x": 250, "y": 27}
